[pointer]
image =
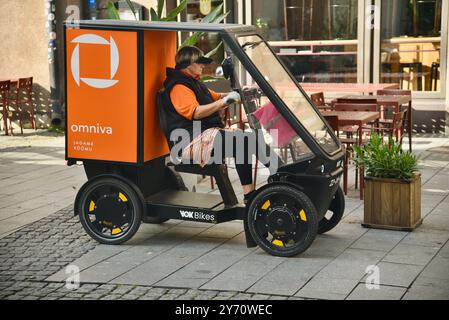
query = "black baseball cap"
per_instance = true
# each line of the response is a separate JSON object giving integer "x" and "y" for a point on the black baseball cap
{"x": 189, "y": 55}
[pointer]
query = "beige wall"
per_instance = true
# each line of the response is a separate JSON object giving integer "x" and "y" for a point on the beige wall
{"x": 23, "y": 46}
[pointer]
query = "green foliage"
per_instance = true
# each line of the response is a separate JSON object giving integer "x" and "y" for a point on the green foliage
{"x": 215, "y": 16}
{"x": 56, "y": 129}
{"x": 131, "y": 6}
{"x": 154, "y": 15}
{"x": 385, "y": 160}
{"x": 160, "y": 8}
{"x": 174, "y": 13}
{"x": 112, "y": 12}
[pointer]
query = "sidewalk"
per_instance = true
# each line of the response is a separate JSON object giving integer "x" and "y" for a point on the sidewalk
{"x": 183, "y": 260}
{"x": 34, "y": 178}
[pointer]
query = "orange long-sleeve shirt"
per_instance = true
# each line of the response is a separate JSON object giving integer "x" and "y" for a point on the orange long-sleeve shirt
{"x": 185, "y": 102}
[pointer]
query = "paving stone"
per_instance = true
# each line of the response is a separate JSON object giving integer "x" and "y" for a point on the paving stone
{"x": 278, "y": 298}
{"x": 328, "y": 288}
{"x": 111, "y": 297}
{"x": 383, "y": 293}
{"x": 408, "y": 254}
{"x": 208, "y": 266}
{"x": 290, "y": 276}
{"x": 260, "y": 297}
{"x": 427, "y": 293}
{"x": 423, "y": 281}
{"x": 122, "y": 290}
{"x": 107, "y": 287}
{"x": 399, "y": 275}
{"x": 426, "y": 237}
{"x": 157, "y": 291}
{"x": 130, "y": 297}
{"x": 92, "y": 258}
{"x": 444, "y": 252}
{"x": 93, "y": 296}
{"x": 352, "y": 264}
{"x": 146, "y": 297}
{"x": 139, "y": 290}
{"x": 170, "y": 261}
{"x": 437, "y": 268}
{"x": 243, "y": 274}
{"x": 379, "y": 240}
{"x": 437, "y": 222}
{"x": 242, "y": 296}
{"x": 169, "y": 297}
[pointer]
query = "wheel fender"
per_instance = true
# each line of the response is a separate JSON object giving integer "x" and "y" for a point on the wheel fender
{"x": 115, "y": 176}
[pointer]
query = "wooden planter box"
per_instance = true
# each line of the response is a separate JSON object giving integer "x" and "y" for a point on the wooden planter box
{"x": 392, "y": 204}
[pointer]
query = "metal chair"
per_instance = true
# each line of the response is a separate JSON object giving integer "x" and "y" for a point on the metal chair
{"x": 347, "y": 142}
{"x": 396, "y": 127}
{"x": 24, "y": 101}
{"x": 434, "y": 76}
{"x": 408, "y": 119}
{"x": 320, "y": 103}
{"x": 4, "y": 100}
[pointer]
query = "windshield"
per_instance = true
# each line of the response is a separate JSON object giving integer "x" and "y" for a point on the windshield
{"x": 287, "y": 89}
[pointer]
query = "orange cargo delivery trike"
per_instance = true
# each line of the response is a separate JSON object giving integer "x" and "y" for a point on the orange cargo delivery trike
{"x": 114, "y": 71}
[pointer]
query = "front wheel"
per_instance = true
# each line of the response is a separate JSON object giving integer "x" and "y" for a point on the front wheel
{"x": 282, "y": 220}
{"x": 110, "y": 210}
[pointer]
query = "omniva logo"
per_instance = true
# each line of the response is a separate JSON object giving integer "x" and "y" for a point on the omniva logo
{"x": 96, "y": 129}
{"x": 114, "y": 61}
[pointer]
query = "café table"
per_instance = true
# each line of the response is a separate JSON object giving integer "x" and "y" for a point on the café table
{"x": 355, "y": 118}
{"x": 387, "y": 101}
{"x": 347, "y": 87}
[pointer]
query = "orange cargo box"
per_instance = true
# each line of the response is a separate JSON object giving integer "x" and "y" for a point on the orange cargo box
{"x": 112, "y": 78}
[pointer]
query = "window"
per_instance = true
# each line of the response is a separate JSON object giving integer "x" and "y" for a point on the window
{"x": 287, "y": 89}
{"x": 316, "y": 39}
{"x": 411, "y": 43}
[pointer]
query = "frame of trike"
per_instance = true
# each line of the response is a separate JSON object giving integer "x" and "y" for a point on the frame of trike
{"x": 114, "y": 70}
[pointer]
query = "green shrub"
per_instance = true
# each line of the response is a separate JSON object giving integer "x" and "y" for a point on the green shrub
{"x": 382, "y": 159}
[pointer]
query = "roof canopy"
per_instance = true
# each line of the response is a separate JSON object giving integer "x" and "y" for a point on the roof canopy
{"x": 168, "y": 26}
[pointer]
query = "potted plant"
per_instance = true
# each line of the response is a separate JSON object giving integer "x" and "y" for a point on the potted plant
{"x": 392, "y": 185}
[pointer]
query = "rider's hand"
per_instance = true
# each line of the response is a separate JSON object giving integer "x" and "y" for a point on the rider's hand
{"x": 232, "y": 97}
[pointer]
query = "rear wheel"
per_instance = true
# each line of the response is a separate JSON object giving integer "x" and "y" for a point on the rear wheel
{"x": 335, "y": 213}
{"x": 282, "y": 220}
{"x": 110, "y": 210}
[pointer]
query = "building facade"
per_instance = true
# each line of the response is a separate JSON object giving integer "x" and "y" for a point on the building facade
{"x": 343, "y": 41}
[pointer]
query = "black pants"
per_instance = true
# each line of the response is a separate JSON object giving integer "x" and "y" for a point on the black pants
{"x": 241, "y": 146}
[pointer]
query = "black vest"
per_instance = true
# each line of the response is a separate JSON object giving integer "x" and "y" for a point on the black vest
{"x": 170, "y": 119}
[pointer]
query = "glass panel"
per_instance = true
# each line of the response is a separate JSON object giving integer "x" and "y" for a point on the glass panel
{"x": 410, "y": 44}
{"x": 316, "y": 39}
{"x": 275, "y": 74}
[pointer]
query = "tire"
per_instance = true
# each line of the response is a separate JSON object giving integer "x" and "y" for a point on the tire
{"x": 176, "y": 183}
{"x": 282, "y": 221}
{"x": 110, "y": 209}
{"x": 333, "y": 217}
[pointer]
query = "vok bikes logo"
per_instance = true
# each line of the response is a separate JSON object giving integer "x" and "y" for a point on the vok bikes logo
{"x": 193, "y": 215}
{"x": 114, "y": 61}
